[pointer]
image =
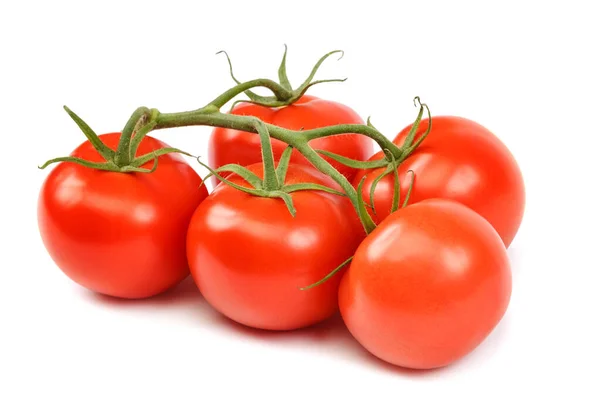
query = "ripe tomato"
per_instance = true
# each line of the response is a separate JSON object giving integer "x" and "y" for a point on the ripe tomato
{"x": 427, "y": 285}
{"x": 459, "y": 160}
{"x": 120, "y": 234}
{"x": 249, "y": 256}
{"x": 228, "y": 146}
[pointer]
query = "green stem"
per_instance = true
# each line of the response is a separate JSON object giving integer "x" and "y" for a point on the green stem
{"x": 270, "y": 181}
{"x": 279, "y": 91}
{"x": 328, "y": 169}
{"x": 141, "y": 133}
{"x": 365, "y": 130}
{"x": 245, "y": 123}
{"x": 137, "y": 119}
{"x": 296, "y": 139}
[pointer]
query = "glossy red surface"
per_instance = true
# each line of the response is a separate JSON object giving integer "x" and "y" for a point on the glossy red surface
{"x": 427, "y": 286}
{"x": 120, "y": 234}
{"x": 459, "y": 160}
{"x": 249, "y": 256}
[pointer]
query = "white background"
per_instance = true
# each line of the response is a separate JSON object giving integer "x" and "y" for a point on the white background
{"x": 526, "y": 70}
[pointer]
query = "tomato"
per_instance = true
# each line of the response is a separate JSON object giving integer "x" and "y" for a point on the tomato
{"x": 459, "y": 160}
{"x": 249, "y": 257}
{"x": 120, "y": 234}
{"x": 227, "y": 146}
{"x": 427, "y": 286}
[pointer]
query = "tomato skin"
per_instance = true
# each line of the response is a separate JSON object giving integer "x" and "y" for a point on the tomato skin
{"x": 249, "y": 256}
{"x": 228, "y": 146}
{"x": 427, "y": 285}
{"x": 462, "y": 161}
{"x": 120, "y": 234}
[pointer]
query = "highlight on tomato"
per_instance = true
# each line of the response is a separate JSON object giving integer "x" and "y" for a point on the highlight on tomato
{"x": 114, "y": 233}
{"x": 427, "y": 286}
{"x": 249, "y": 255}
{"x": 459, "y": 160}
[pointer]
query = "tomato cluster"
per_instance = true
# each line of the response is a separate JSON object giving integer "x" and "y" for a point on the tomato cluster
{"x": 422, "y": 290}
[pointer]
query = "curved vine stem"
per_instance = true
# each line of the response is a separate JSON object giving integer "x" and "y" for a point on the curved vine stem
{"x": 278, "y": 90}
{"x": 145, "y": 120}
{"x": 296, "y": 139}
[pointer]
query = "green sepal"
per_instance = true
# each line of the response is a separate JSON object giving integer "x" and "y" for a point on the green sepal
{"x": 408, "y": 151}
{"x": 287, "y": 199}
{"x": 107, "y": 166}
{"x": 311, "y": 186}
{"x": 106, "y": 152}
{"x": 349, "y": 162}
{"x": 284, "y": 163}
{"x": 255, "y": 192}
{"x": 365, "y": 218}
{"x": 242, "y": 172}
{"x": 257, "y": 99}
{"x": 413, "y": 129}
{"x": 293, "y": 95}
{"x": 139, "y": 161}
{"x": 103, "y": 166}
{"x": 328, "y": 276}
{"x": 313, "y": 72}
{"x": 230, "y": 66}
{"x": 283, "y": 78}
{"x": 387, "y": 171}
{"x": 131, "y": 168}
{"x": 300, "y": 92}
{"x": 410, "y": 187}
{"x": 236, "y": 102}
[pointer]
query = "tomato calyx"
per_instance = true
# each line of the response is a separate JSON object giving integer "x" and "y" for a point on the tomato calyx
{"x": 284, "y": 94}
{"x": 329, "y": 275}
{"x": 272, "y": 185}
{"x": 124, "y": 159}
{"x": 394, "y": 156}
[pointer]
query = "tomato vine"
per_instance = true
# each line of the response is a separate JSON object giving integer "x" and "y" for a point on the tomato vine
{"x": 144, "y": 120}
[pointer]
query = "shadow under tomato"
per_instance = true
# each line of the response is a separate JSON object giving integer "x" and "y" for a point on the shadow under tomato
{"x": 184, "y": 293}
{"x": 330, "y": 337}
{"x": 515, "y": 256}
{"x": 330, "y": 329}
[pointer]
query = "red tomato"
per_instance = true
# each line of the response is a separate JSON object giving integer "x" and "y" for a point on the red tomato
{"x": 427, "y": 286}
{"x": 227, "y": 146}
{"x": 120, "y": 234}
{"x": 459, "y": 160}
{"x": 249, "y": 256}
